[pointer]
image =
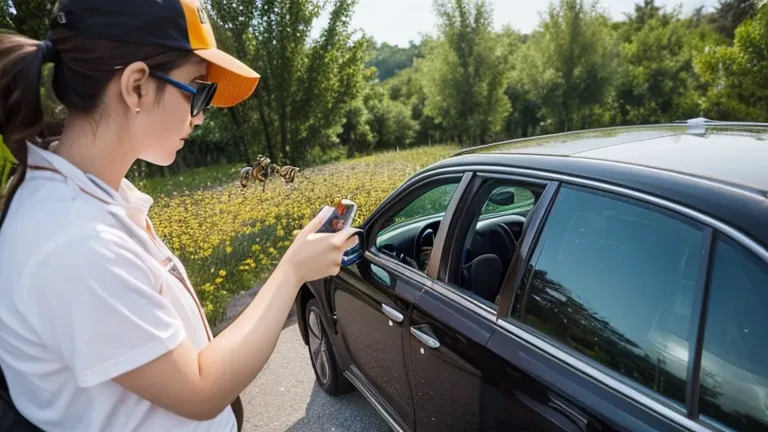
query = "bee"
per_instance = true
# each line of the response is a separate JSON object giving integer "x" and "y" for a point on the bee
{"x": 263, "y": 168}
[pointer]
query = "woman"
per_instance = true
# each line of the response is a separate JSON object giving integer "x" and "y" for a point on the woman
{"x": 99, "y": 328}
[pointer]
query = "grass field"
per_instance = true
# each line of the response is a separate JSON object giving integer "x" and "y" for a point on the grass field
{"x": 230, "y": 238}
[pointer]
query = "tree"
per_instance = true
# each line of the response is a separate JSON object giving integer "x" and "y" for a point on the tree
{"x": 735, "y": 75}
{"x": 729, "y": 15}
{"x": 391, "y": 59}
{"x": 28, "y": 17}
{"x": 307, "y": 86}
{"x": 465, "y": 73}
{"x": 656, "y": 79}
{"x": 569, "y": 63}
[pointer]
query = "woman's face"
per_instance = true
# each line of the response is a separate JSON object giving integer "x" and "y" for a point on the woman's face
{"x": 164, "y": 124}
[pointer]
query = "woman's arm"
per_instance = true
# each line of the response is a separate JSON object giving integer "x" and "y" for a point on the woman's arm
{"x": 202, "y": 386}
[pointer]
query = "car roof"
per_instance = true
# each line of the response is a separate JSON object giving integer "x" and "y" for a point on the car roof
{"x": 728, "y": 152}
{"x": 716, "y": 168}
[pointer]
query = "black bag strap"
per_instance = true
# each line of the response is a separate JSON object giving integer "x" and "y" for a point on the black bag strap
{"x": 11, "y": 419}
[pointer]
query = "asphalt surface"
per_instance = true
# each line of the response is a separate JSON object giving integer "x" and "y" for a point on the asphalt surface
{"x": 284, "y": 397}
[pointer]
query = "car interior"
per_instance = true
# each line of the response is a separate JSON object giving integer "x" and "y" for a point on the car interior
{"x": 498, "y": 216}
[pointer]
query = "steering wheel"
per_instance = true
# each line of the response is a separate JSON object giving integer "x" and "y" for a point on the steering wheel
{"x": 423, "y": 245}
{"x": 391, "y": 251}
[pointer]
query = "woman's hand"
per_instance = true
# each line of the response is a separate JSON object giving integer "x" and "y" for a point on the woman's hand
{"x": 200, "y": 385}
{"x": 313, "y": 255}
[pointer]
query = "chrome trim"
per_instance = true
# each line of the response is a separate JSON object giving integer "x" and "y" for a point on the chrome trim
{"x": 735, "y": 234}
{"x": 559, "y": 354}
{"x": 628, "y": 128}
{"x": 464, "y": 300}
{"x": 353, "y": 378}
{"x": 391, "y": 313}
{"x": 397, "y": 267}
{"x": 601, "y": 377}
{"x": 425, "y": 338}
{"x": 566, "y": 409}
{"x": 563, "y": 356}
{"x": 553, "y": 136}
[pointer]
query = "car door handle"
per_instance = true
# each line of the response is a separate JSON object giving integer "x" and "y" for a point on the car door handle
{"x": 391, "y": 313}
{"x": 424, "y": 338}
{"x": 572, "y": 413}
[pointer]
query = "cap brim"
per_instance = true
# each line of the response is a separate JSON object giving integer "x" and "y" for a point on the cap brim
{"x": 236, "y": 81}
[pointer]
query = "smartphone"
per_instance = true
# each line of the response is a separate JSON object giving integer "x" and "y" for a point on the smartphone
{"x": 343, "y": 214}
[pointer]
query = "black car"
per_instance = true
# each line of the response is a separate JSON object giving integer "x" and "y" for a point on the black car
{"x": 612, "y": 279}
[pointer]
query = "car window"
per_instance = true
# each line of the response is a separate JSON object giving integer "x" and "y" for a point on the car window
{"x": 431, "y": 203}
{"x": 418, "y": 218}
{"x": 734, "y": 367}
{"x": 491, "y": 240}
{"x": 508, "y": 199}
{"x": 613, "y": 279}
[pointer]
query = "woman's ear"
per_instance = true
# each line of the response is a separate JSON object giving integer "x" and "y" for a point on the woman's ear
{"x": 133, "y": 85}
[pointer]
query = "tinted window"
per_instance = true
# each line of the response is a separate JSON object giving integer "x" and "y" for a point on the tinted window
{"x": 734, "y": 368}
{"x": 421, "y": 218}
{"x": 613, "y": 279}
{"x": 431, "y": 203}
{"x": 491, "y": 241}
{"x": 509, "y": 200}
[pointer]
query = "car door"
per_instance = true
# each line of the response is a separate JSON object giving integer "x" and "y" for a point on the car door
{"x": 372, "y": 298}
{"x": 604, "y": 284}
{"x": 451, "y": 320}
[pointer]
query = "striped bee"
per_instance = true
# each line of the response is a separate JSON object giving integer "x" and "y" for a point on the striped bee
{"x": 263, "y": 168}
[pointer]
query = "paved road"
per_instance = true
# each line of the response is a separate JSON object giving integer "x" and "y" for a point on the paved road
{"x": 284, "y": 397}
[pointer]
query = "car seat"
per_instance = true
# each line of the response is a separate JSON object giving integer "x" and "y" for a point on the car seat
{"x": 484, "y": 275}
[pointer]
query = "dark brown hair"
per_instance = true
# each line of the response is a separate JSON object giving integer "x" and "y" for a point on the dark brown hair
{"x": 82, "y": 69}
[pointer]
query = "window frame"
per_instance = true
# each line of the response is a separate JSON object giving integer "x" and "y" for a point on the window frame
{"x": 459, "y": 224}
{"x": 444, "y": 255}
{"x": 725, "y": 238}
{"x": 648, "y": 399}
{"x": 693, "y": 337}
{"x": 399, "y": 200}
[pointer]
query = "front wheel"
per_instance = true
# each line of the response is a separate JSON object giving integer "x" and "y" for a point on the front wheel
{"x": 324, "y": 363}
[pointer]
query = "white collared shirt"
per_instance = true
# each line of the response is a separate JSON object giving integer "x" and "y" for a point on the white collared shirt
{"x": 87, "y": 296}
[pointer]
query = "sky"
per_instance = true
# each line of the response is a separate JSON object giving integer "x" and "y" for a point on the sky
{"x": 399, "y": 21}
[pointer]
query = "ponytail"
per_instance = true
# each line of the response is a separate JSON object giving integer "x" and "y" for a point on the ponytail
{"x": 83, "y": 68}
{"x": 21, "y": 109}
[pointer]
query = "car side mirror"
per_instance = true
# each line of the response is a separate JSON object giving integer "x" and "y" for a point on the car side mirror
{"x": 356, "y": 253}
{"x": 503, "y": 197}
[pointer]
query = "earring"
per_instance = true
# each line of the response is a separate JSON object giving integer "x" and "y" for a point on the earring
{"x": 138, "y": 110}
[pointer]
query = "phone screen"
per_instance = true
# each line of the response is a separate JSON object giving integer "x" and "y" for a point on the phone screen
{"x": 341, "y": 218}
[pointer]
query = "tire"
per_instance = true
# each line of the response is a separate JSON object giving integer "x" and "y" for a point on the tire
{"x": 327, "y": 373}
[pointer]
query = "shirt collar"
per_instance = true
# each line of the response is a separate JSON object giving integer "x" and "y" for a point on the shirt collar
{"x": 128, "y": 196}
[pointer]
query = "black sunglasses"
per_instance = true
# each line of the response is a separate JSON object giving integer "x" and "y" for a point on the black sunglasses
{"x": 201, "y": 96}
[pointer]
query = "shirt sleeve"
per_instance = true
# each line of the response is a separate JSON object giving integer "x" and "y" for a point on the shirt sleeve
{"x": 99, "y": 307}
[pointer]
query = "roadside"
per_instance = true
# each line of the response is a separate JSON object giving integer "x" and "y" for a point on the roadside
{"x": 285, "y": 397}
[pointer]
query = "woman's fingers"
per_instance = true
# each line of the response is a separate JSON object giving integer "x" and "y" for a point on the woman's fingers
{"x": 350, "y": 238}
{"x": 316, "y": 222}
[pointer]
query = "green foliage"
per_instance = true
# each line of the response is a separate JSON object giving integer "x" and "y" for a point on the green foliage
{"x": 390, "y": 121}
{"x": 730, "y": 14}
{"x": 341, "y": 93}
{"x": 657, "y": 82}
{"x": 307, "y": 86}
{"x": 465, "y": 73}
{"x": 391, "y": 59}
{"x": 6, "y": 164}
{"x": 570, "y": 63}
{"x": 735, "y": 75}
{"x": 28, "y": 17}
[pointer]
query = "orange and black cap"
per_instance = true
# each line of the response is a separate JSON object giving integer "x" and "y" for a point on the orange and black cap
{"x": 176, "y": 24}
